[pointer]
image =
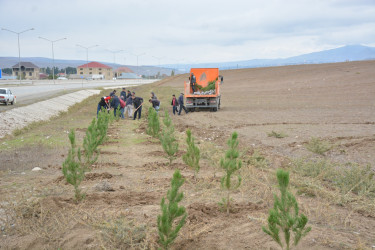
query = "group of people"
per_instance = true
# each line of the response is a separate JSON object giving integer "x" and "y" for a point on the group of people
{"x": 131, "y": 104}
{"x": 128, "y": 103}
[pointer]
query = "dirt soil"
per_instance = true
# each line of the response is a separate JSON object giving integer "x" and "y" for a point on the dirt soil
{"x": 334, "y": 102}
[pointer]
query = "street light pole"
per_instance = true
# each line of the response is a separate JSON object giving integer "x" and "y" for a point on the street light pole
{"x": 87, "y": 54}
{"x": 158, "y": 58}
{"x": 53, "y": 55}
{"x": 19, "y": 50}
{"x": 114, "y": 54}
{"x": 137, "y": 60}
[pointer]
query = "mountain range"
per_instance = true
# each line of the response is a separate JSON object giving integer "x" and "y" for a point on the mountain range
{"x": 341, "y": 54}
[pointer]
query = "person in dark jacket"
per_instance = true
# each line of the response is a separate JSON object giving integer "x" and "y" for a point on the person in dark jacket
{"x": 174, "y": 104}
{"x": 123, "y": 93}
{"x": 104, "y": 103}
{"x": 128, "y": 95}
{"x": 137, "y": 102}
{"x": 115, "y": 103}
{"x": 181, "y": 103}
{"x": 193, "y": 81}
{"x": 129, "y": 105}
{"x": 153, "y": 96}
{"x": 155, "y": 104}
{"x": 112, "y": 93}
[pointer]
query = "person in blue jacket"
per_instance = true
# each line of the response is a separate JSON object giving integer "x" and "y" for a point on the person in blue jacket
{"x": 115, "y": 103}
{"x": 181, "y": 103}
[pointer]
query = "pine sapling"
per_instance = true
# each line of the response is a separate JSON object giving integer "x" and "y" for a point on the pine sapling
{"x": 153, "y": 123}
{"x": 168, "y": 140}
{"x": 192, "y": 156}
{"x": 230, "y": 164}
{"x": 90, "y": 144}
{"x": 167, "y": 227}
{"x": 285, "y": 215}
{"x": 73, "y": 171}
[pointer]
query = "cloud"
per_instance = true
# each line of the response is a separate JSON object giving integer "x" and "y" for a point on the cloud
{"x": 190, "y": 30}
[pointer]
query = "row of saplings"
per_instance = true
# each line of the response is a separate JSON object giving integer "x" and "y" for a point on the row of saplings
{"x": 283, "y": 216}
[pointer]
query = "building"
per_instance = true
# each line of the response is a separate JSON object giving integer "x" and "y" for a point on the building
{"x": 94, "y": 69}
{"x": 121, "y": 70}
{"x": 28, "y": 71}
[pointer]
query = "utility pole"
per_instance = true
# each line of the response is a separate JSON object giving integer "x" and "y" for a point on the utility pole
{"x": 19, "y": 50}
{"x": 87, "y": 55}
{"x": 53, "y": 55}
{"x": 137, "y": 59}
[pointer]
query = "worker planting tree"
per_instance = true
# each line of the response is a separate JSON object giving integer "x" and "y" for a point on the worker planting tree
{"x": 230, "y": 164}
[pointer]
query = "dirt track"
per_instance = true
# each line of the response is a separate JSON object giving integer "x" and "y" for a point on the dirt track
{"x": 335, "y": 102}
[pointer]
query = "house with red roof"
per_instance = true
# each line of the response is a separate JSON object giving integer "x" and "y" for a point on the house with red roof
{"x": 95, "y": 70}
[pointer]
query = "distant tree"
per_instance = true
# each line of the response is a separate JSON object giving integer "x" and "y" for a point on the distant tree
{"x": 70, "y": 70}
{"x": 7, "y": 71}
{"x": 172, "y": 73}
{"x": 48, "y": 71}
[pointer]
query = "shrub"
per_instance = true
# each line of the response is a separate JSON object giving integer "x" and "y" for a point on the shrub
{"x": 230, "y": 164}
{"x": 277, "y": 134}
{"x": 167, "y": 227}
{"x": 285, "y": 215}
{"x": 73, "y": 171}
{"x": 349, "y": 177}
{"x": 121, "y": 233}
{"x": 258, "y": 160}
{"x": 153, "y": 123}
{"x": 192, "y": 156}
{"x": 318, "y": 146}
{"x": 168, "y": 140}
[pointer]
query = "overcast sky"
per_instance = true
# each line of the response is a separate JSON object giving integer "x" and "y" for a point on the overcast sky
{"x": 179, "y": 31}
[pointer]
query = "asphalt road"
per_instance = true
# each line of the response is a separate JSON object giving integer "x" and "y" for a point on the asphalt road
{"x": 30, "y": 92}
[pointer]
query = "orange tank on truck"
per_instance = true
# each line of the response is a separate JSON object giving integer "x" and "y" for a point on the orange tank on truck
{"x": 207, "y": 89}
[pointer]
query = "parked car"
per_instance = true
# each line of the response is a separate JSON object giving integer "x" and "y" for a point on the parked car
{"x": 62, "y": 78}
{"x": 6, "y": 96}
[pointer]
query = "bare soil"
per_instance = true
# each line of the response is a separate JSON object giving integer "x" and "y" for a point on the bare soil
{"x": 334, "y": 102}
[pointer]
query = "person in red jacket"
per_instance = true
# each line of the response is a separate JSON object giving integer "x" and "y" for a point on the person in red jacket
{"x": 104, "y": 102}
{"x": 174, "y": 104}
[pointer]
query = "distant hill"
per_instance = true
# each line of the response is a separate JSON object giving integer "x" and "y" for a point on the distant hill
{"x": 42, "y": 62}
{"x": 342, "y": 54}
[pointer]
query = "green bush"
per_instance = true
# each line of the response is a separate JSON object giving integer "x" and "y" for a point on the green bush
{"x": 318, "y": 146}
{"x": 90, "y": 144}
{"x": 168, "y": 140}
{"x": 192, "y": 156}
{"x": 72, "y": 169}
{"x": 284, "y": 216}
{"x": 230, "y": 164}
{"x": 167, "y": 227}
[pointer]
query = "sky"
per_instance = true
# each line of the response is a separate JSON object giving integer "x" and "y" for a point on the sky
{"x": 179, "y": 31}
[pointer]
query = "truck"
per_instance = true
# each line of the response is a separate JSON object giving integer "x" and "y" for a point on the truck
{"x": 207, "y": 90}
{"x": 7, "y": 97}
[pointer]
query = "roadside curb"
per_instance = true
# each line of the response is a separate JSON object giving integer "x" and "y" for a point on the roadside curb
{"x": 41, "y": 111}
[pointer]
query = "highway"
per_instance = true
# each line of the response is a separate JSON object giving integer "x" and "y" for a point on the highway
{"x": 29, "y": 92}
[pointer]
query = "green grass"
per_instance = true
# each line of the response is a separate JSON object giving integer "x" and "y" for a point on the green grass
{"x": 347, "y": 178}
{"x": 318, "y": 146}
{"x": 277, "y": 134}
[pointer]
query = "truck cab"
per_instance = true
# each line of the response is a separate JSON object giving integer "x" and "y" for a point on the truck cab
{"x": 207, "y": 89}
